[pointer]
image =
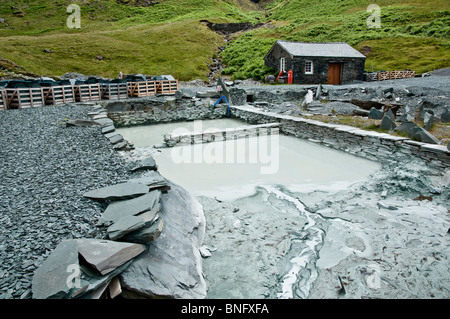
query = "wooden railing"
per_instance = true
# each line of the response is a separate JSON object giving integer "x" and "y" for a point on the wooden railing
{"x": 16, "y": 98}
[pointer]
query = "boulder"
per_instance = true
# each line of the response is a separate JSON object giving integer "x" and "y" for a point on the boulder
{"x": 428, "y": 121}
{"x": 445, "y": 117}
{"x": 388, "y": 122}
{"x": 118, "y": 192}
{"x": 375, "y": 114}
{"x": 407, "y": 127}
{"x": 171, "y": 266}
{"x": 422, "y": 135}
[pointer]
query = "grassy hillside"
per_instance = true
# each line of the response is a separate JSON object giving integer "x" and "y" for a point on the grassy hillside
{"x": 166, "y": 37}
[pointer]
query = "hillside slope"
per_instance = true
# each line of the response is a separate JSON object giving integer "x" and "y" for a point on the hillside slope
{"x": 166, "y": 36}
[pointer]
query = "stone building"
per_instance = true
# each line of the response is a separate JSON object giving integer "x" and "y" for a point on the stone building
{"x": 315, "y": 63}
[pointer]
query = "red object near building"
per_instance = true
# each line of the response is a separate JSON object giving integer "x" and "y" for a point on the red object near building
{"x": 290, "y": 77}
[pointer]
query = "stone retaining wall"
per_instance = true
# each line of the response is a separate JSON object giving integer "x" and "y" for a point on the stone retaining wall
{"x": 371, "y": 145}
{"x": 154, "y": 110}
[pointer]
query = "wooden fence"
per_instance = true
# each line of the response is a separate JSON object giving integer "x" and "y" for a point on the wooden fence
{"x": 114, "y": 91}
{"x": 19, "y": 98}
{"x": 142, "y": 88}
{"x": 389, "y": 75}
{"x": 166, "y": 86}
{"x": 59, "y": 94}
{"x": 88, "y": 92}
{"x": 2, "y": 99}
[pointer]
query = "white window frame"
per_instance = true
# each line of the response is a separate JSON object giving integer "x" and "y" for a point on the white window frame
{"x": 312, "y": 67}
{"x": 283, "y": 64}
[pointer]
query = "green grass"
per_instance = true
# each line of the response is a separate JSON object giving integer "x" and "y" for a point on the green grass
{"x": 167, "y": 38}
{"x": 179, "y": 48}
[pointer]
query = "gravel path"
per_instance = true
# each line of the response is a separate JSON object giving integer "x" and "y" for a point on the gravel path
{"x": 45, "y": 168}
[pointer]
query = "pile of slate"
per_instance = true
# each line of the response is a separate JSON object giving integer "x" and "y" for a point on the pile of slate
{"x": 90, "y": 268}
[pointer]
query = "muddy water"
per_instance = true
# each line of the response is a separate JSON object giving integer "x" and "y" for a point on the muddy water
{"x": 265, "y": 243}
{"x": 233, "y": 169}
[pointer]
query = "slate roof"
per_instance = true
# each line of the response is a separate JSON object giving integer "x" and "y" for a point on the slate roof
{"x": 319, "y": 49}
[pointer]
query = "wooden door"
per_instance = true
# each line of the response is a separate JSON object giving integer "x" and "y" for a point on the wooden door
{"x": 334, "y": 73}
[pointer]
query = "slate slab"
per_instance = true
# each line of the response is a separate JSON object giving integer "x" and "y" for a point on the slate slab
{"x": 108, "y": 129}
{"x": 171, "y": 265}
{"x": 151, "y": 178}
{"x": 148, "y": 163}
{"x": 107, "y": 255}
{"x": 117, "y": 210}
{"x": 50, "y": 280}
{"x": 147, "y": 234}
{"x": 116, "y": 138}
{"x": 118, "y": 192}
{"x": 128, "y": 224}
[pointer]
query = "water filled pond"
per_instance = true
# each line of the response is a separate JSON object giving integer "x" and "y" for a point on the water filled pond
{"x": 234, "y": 168}
{"x": 265, "y": 242}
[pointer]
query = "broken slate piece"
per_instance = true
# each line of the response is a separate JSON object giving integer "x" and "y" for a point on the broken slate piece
{"x": 130, "y": 207}
{"x": 116, "y": 139}
{"x": 120, "y": 145}
{"x": 107, "y": 255}
{"x": 108, "y": 129}
{"x": 81, "y": 123}
{"x": 152, "y": 179}
{"x": 124, "y": 226}
{"x": 147, "y": 163}
{"x": 118, "y": 192}
{"x": 147, "y": 234}
{"x": 50, "y": 280}
{"x": 130, "y": 224}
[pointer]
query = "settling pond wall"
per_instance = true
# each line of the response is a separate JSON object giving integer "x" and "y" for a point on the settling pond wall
{"x": 370, "y": 145}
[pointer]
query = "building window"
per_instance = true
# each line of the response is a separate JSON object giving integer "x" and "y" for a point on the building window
{"x": 283, "y": 64}
{"x": 309, "y": 67}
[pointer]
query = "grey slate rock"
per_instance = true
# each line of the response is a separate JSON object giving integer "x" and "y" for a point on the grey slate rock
{"x": 117, "y": 210}
{"x": 375, "y": 114}
{"x": 422, "y": 135}
{"x": 407, "y": 127}
{"x": 175, "y": 260}
{"x": 121, "y": 145}
{"x": 107, "y": 255}
{"x": 387, "y": 122}
{"x": 118, "y": 192}
{"x": 148, "y": 163}
{"x": 50, "y": 280}
{"x": 428, "y": 121}
{"x": 147, "y": 234}
{"x": 124, "y": 226}
{"x": 81, "y": 122}
{"x": 445, "y": 117}
{"x": 116, "y": 138}
{"x": 108, "y": 129}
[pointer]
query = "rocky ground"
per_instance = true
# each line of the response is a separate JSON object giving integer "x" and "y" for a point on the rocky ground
{"x": 383, "y": 238}
{"x": 45, "y": 169}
